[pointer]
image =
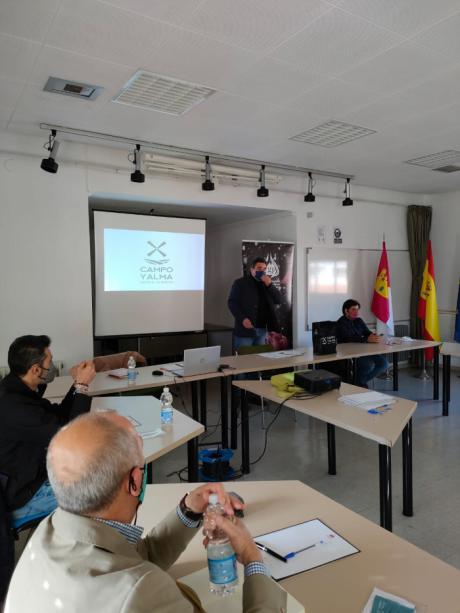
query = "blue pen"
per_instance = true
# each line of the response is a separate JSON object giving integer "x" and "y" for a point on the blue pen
{"x": 292, "y": 554}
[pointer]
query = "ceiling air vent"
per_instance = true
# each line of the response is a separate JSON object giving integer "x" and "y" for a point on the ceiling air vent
{"x": 332, "y": 134}
{"x": 159, "y": 93}
{"x": 443, "y": 161}
{"x": 72, "y": 88}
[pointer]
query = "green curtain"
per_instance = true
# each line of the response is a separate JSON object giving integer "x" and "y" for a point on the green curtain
{"x": 418, "y": 233}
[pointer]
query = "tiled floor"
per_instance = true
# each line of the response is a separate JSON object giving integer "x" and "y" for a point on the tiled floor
{"x": 298, "y": 450}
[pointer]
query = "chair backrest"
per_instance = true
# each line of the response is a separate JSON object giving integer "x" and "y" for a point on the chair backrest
{"x": 251, "y": 349}
{"x": 117, "y": 360}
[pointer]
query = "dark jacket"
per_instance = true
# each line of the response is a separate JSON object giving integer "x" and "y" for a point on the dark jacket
{"x": 27, "y": 424}
{"x": 244, "y": 301}
{"x": 352, "y": 330}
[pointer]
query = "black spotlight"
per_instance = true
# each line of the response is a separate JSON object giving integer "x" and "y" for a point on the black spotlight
{"x": 262, "y": 192}
{"x": 137, "y": 176}
{"x": 49, "y": 164}
{"x": 207, "y": 185}
{"x": 348, "y": 201}
{"x": 309, "y": 197}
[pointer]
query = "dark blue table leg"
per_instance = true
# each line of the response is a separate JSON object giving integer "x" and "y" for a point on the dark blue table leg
{"x": 331, "y": 449}
{"x": 385, "y": 487}
{"x": 408, "y": 505}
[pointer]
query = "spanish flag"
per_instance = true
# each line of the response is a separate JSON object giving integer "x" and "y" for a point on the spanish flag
{"x": 382, "y": 306}
{"x": 427, "y": 304}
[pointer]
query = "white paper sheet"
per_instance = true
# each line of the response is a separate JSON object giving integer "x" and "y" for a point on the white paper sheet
{"x": 286, "y": 353}
{"x": 328, "y": 546}
{"x": 368, "y": 400}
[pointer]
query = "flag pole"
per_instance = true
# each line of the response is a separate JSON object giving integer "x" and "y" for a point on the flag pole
{"x": 424, "y": 376}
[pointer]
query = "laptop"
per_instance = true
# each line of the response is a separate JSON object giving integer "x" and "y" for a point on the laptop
{"x": 199, "y": 361}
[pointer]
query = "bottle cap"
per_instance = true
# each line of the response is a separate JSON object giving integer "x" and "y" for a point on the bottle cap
{"x": 213, "y": 499}
{"x": 165, "y": 389}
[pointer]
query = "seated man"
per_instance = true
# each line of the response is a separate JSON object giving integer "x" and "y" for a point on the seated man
{"x": 352, "y": 329}
{"x": 89, "y": 556}
{"x": 28, "y": 422}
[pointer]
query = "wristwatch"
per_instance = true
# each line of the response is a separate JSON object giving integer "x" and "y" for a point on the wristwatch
{"x": 188, "y": 512}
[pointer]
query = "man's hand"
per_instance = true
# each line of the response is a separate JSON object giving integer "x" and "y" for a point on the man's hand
{"x": 247, "y": 323}
{"x": 84, "y": 372}
{"x": 374, "y": 338}
{"x": 198, "y": 499}
{"x": 266, "y": 280}
{"x": 240, "y": 539}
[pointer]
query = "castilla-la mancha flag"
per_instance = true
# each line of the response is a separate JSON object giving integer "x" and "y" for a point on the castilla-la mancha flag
{"x": 382, "y": 306}
{"x": 427, "y": 304}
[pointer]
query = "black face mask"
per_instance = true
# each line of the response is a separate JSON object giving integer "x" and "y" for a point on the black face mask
{"x": 51, "y": 373}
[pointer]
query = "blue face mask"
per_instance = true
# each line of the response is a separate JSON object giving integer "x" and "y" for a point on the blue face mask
{"x": 143, "y": 485}
{"x": 259, "y": 274}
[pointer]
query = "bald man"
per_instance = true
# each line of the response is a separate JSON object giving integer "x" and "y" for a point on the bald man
{"x": 89, "y": 556}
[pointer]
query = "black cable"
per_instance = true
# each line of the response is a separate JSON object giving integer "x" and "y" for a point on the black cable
{"x": 296, "y": 395}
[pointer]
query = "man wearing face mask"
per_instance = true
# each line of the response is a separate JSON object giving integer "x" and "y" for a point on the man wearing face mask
{"x": 91, "y": 556}
{"x": 352, "y": 329}
{"x": 28, "y": 422}
{"x": 252, "y": 303}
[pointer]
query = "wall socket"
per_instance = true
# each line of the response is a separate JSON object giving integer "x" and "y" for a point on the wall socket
{"x": 309, "y": 214}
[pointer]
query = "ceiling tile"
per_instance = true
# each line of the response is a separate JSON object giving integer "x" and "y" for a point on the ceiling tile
{"x": 27, "y": 18}
{"x": 171, "y": 11}
{"x": 17, "y": 57}
{"x": 9, "y": 92}
{"x": 443, "y": 38}
{"x": 335, "y": 42}
{"x": 193, "y": 57}
{"x": 274, "y": 81}
{"x": 258, "y": 25}
{"x": 75, "y": 67}
{"x": 396, "y": 69}
{"x": 106, "y": 32}
{"x": 406, "y": 17}
{"x": 334, "y": 99}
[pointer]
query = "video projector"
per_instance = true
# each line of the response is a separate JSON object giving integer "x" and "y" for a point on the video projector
{"x": 317, "y": 381}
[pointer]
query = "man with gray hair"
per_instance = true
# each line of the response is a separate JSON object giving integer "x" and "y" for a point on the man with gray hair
{"x": 88, "y": 556}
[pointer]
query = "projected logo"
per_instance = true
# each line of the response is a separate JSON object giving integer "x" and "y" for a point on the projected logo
{"x": 156, "y": 270}
{"x": 157, "y": 249}
{"x": 272, "y": 267}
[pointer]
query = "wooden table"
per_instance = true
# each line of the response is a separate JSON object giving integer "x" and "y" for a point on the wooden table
{"x": 345, "y": 351}
{"x": 183, "y": 429}
{"x": 383, "y": 429}
{"x": 448, "y": 350}
{"x": 385, "y": 560}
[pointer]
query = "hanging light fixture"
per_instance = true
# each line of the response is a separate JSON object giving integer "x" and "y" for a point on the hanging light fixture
{"x": 348, "y": 201}
{"x": 262, "y": 192}
{"x": 309, "y": 196}
{"x": 137, "y": 176}
{"x": 207, "y": 185}
{"x": 49, "y": 164}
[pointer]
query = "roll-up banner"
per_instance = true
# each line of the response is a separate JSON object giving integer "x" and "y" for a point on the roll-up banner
{"x": 280, "y": 267}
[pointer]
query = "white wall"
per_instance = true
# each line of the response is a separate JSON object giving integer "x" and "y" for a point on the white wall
{"x": 44, "y": 233}
{"x": 445, "y": 238}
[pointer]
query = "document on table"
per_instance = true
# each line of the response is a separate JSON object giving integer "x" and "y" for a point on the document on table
{"x": 304, "y": 546}
{"x": 368, "y": 400}
{"x": 383, "y": 602}
{"x": 286, "y": 353}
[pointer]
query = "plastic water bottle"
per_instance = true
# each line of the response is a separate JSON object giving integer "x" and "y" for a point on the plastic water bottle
{"x": 223, "y": 576}
{"x": 166, "y": 414}
{"x": 132, "y": 374}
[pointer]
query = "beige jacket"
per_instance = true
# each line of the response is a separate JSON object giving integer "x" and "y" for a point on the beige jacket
{"x": 75, "y": 564}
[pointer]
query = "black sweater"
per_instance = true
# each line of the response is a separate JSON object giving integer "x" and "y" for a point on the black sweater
{"x": 352, "y": 330}
{"x": 27, "y": 424}
{"x": 244, "y": 302}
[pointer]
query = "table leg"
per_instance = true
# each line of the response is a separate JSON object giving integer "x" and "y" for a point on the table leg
{"x": 192, "y": 460}
{"x": 150, "y": 472}
{"x": 385, "y": 487}
{"x": 224, "y": 411}
{"x": 203, "y": 403}
{"x": 445, "y": 384}
{"x": 194, "y": 388}
{"x": 436, "y": 373}
{"x": 408, "y": 506}
{"x": 234, "y": 415}
{"x": 395, "y": 372}
{"x": 331, "y": 449}
{"x": 245, "y": 461}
